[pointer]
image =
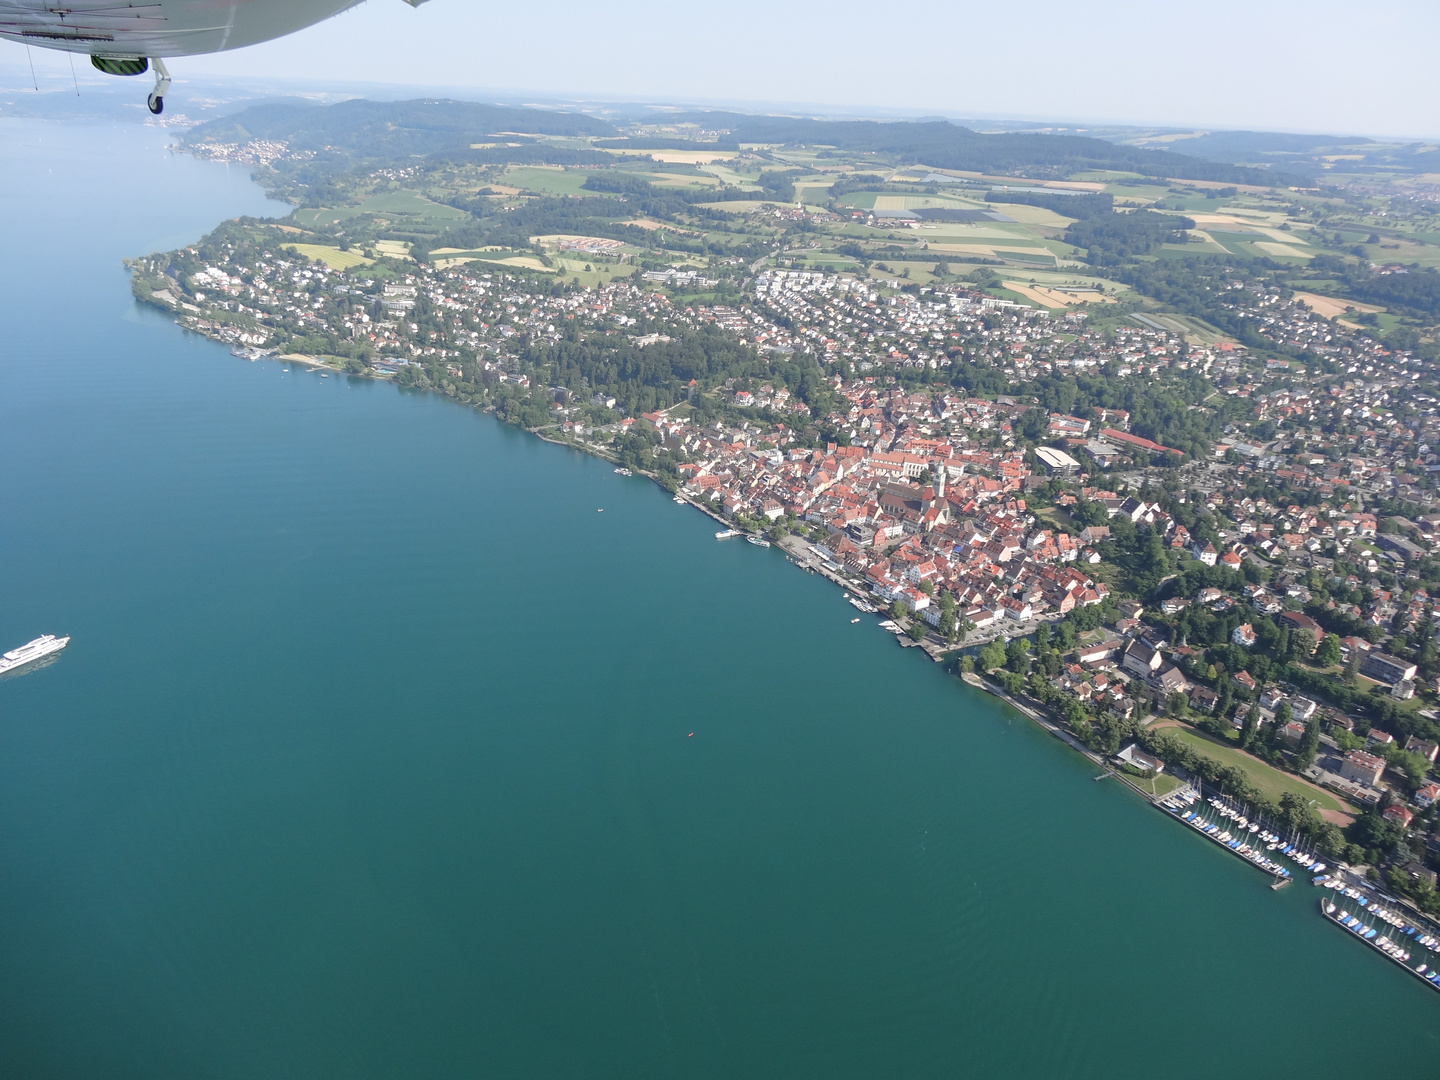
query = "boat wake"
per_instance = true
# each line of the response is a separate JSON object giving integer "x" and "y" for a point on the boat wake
{"x": 30, "y": 668}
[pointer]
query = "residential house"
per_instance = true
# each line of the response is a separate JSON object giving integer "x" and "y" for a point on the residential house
{"x": 1170, "y": 680}
{"x": 1019, "y": 610}
{"x": 1427, "y": 750}
{"x": 1270, "y": 700}
{"x": 1302, "y": 625}
{"x": 1418, "y": 871}
{"x": 1203, "y": 699}
{"x": 1243, "y": 635}
{"x": 1140, "y": 659}
{"x": 1397, "y": 814}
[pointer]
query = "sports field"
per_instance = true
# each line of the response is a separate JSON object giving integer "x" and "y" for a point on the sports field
{"x": 1271, "y": 782}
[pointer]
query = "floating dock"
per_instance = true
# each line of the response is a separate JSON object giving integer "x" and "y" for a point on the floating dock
{"x": 1393, "y": 951}
{"x": 1238, "y": 845}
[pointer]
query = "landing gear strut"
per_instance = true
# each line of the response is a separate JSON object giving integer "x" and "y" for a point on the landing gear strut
{"x": 156, "y": 101}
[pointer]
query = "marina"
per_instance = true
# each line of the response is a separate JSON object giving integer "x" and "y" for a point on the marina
{"x": 1216, "y": 820}
{"x": 1359, "y": 923}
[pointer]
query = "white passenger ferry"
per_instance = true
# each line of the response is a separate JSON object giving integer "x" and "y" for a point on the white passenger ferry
{"x": 38, "y": 649}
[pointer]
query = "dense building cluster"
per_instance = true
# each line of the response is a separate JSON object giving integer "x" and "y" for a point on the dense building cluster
{"x": 968, "y": 463}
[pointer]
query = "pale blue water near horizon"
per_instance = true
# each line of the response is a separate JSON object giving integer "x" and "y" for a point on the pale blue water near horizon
{"x": 372, "y": 755}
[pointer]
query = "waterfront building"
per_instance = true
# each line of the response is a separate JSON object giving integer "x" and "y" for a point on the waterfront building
{"x": 1133, "y": 755}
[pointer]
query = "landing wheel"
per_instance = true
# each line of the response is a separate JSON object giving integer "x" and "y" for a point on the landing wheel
{"x": 156, "y": 104}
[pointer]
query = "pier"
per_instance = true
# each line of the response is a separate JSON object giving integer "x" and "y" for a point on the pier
{"x": 1333, "y": 912}
{"x": 1174, "y": 803}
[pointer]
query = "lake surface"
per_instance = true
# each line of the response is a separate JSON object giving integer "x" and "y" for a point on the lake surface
{"x": 379, "y": 752}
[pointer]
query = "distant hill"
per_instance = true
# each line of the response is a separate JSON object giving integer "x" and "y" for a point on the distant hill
{"x": 1309, "y": 153}
{"x": 946, "y": 145}
{"x": 390, "y": 129}
{"x": 400, "y": 130}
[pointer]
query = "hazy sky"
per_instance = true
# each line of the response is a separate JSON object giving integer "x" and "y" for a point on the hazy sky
{"x": 1360, "y": 66}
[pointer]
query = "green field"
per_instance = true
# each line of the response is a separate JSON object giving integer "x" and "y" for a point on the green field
{"x": 1039, "y": 258}
{"x": 332, "y": 257}
{"x": 402, "y": 204}
{"x": 553, "y": 181}
{"x": 1271, "y": 782}
{"x": 730, "y": 176}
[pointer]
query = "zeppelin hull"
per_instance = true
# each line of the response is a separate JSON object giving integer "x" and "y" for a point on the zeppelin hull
{"x": 160, "y": 28}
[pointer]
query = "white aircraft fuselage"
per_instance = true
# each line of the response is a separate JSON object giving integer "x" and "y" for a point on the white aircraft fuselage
{"x": 158, "y": 28}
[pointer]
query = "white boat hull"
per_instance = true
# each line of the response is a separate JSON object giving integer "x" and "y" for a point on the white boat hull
{"x": 32, "y": 652}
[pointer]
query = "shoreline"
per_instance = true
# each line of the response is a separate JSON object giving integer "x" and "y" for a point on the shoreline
{"x": 797, "y": 550}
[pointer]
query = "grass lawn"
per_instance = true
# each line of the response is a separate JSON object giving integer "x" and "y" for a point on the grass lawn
{"x": 1055, "y": 516}
{"x": 599, "y": 274}
{"x": 1160, "y": 785}
{"x": 1271, "y": 782}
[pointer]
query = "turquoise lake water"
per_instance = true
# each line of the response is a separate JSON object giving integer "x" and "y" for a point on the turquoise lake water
{"x": 379, "y": 752}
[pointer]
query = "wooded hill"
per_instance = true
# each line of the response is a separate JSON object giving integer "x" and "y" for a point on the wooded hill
{"x": 944, "y": 145}
{"x": 408, "y": 129}
{"x": 391, "y": 129}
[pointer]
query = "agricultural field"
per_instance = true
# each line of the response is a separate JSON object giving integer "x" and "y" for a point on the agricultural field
{"x": 545, "y": 180}
{"x": 332, "y": 257}
{"x": 904, "y": 220}
{"x": 395, "y": 205}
